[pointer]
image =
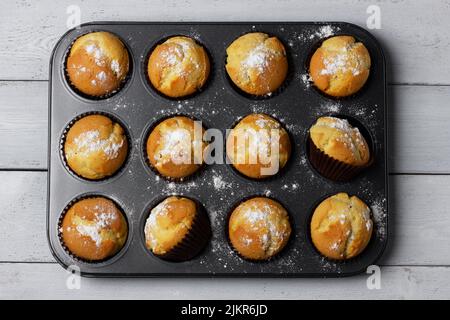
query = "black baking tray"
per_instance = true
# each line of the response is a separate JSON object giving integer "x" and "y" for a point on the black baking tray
{"x": 136, "y": 188}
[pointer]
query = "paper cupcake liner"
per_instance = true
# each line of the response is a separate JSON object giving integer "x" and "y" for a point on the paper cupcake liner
{"x": 331, "y": 168}
{"x": 193, "y": 242}
{"x": 109, "y": 94}
{"x": 61, "y": 218}
{"x": 62, "y": 141}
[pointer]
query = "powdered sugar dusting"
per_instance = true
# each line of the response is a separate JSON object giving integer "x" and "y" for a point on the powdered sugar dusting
{"x": 258, "y": 58}
{"x": 103, "y": 219}
{"x": 89, "y": 142}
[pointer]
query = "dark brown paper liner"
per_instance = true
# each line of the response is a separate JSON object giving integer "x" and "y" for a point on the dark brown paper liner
{"x": 63, "y": 214}
{"x": 193, "y": 242}
{"x": 331, "y": 168}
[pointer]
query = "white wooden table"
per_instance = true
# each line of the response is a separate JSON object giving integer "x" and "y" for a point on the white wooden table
{"x": 416, "y": 39}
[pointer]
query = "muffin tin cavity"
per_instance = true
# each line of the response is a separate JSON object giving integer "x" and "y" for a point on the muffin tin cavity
{"x": 272, "y": 259}
{"x": 100, "y": 75}
{"x": 288, "y": 145}
{"x": 94, "y": 145}
{"x": 136, "y": 187}
{"x": 359, "y": 257}
{"x": 307, "y": 62}
{"x": 365, "y": 133}
{"x": 145, "y": 156}
{"x": 189, "y": 245}
{"x": 101, "y": 262}
{"x": 258, "y": 60}
{"x": 145, "y": 66}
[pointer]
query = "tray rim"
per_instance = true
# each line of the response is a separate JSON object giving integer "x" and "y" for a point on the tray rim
{"x": 220, "y": 274}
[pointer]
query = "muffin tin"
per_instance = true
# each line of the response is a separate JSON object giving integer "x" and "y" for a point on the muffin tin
{"x": 218, "y": 187}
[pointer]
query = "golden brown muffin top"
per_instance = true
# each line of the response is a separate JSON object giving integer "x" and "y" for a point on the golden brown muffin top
{"x": 98, "y": 62}
{"x": 168, "y": 223}
{"x": 174, "y": 149}
{"x": 257, "y": 63}
{"x": 341, "y": 226}
{"x": 259, "y": 228}
{"x": 95, "y": 146}
{"x": 94, "y": 229}
{"x": 339, "y": 140}
{"x": 340, "y": 67}
{"x": 251, "y": 141}
{"x": 178, "y": 67}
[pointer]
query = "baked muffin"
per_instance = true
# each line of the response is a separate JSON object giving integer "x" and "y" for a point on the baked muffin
{"x": 177, "y": 229}
{"x": 259, "y": 228}
{"x": 250, "y": 144}
{"x": 340, "y": 67}
{"x": 257, "y": 63}
{"x": 178, "y": 67}
{"x": 337, "y": 150}
{"x": 94, "y": 229}
{"x": 97, "y": 64}
{"x": 341, "y": 227}
{"x": 174, "y": 149}
{"x": 95, "y": 147}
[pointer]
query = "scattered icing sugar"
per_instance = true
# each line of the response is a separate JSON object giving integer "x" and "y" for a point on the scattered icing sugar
{"x": 219, "y": 183}
{"x": 115, "y": 67}
{"x": 175, "y": 147}
{"x": 258, "y": 58}
{"x": 324, "y": 32}
{"x": 97, "y": 53}
{"x": 340, "y": 63}
{"x": 334, "y": 246}
{"x": 270, "y": 233}
{"x": 320, "y": 33}
{"x": 379, "y": 216}
{"x": 290, "y": 187}
{"x": 159, "y": 210}
{"x": 101, "y": 76}
{"x": 306, "y": 79}
{"x": 102, "y": 220}
{"x": 351, "y": 138}
{"x": 90, "y": 141}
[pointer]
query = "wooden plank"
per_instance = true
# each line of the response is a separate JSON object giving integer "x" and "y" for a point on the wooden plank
{"x": 416, "y": 225}
{"x": 23, "y": 196}
{"x": 48, "y": 281}
{"x": 419, "y": 131}
{"x": 23, "y": 125}
{"x": 414, "y": 33}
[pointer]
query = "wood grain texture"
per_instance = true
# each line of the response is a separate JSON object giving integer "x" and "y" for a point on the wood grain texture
{"x": 23, "y": 125}
{"x": 46, "y": 281}
{"x": 416, "y": 44}
{"x": 22, "y": 218}
{"x": 420, "y": 231}
{"x": 418, "y": 122}
{"x": 416, "y": 39}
